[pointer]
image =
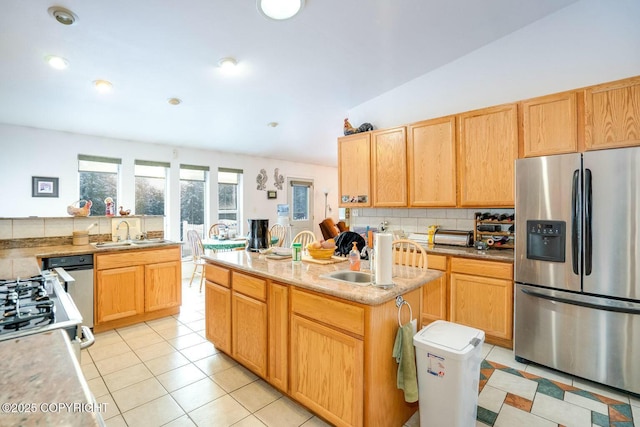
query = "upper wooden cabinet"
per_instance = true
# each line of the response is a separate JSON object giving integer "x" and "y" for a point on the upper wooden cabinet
{"x": 431, "y": 163}
{"x": 549, "y": 125}
{"x": 389, "y": 167}
{"x": 487, "y": 150}
{"x": 354, "y": 170}
{"x": 612, "y": 114}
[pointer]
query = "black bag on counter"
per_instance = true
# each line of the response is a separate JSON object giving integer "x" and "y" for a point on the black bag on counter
{"x": 344, "y": 242}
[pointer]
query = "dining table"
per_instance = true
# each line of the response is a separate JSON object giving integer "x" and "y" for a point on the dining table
{"x": 224, "y": 245}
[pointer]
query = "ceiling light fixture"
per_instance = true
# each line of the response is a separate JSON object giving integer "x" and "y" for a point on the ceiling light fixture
{"x": 228, "y": 63}
{"x": 62, "y": 15}
{"x": 280, "y": 9}
{"x": 57, "y": 62}
{"x": 174, "y": 101}
{"x": 103, "y": 86}
{"x": 272, "y": 124}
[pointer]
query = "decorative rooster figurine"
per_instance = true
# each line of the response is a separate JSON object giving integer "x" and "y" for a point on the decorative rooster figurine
{"x": 123, "y": 212}
{"x": 86, "y": 209}
{"x": 350, "y": 130}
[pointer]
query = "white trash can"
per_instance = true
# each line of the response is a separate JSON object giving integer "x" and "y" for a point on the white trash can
{"x": 448, "y": 357}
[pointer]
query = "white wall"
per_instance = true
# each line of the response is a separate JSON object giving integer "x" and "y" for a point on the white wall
{"x": 589, "y": 42}
{"x": 27, "y": 152}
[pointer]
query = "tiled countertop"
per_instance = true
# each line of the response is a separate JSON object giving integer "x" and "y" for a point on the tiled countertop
{"x": 40, "y": 374}
{"x": 22, "y": 262}
{"x": 308, "y": 276}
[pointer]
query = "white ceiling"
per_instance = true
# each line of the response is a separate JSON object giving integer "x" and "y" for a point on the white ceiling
{"x": 305, "y": 73}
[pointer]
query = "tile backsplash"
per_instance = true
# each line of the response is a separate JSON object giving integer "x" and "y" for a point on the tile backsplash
{"x": 417, "y": 220}
{"x": 30, "y": 228}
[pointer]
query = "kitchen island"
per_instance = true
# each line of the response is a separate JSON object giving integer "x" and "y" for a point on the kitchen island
{"x": 325, "y": 343}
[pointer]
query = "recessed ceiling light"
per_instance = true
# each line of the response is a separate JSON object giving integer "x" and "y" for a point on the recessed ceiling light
{"x": 62, "y": 15}
{"x": 280, "y": 9}
{"x": 103, "y": 86}
{"x": 227, "y": 63}
{"x": 174, "y": 101}
{"x": 57, "y": 62}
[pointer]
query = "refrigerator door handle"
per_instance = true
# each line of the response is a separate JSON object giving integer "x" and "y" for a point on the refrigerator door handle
{"x": 588, "y": 249}
{"x": 575, "y": 222}
{"x": 599, "y": 303}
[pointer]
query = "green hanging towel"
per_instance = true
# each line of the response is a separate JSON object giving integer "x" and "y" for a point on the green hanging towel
{"x": 405, "y": 356}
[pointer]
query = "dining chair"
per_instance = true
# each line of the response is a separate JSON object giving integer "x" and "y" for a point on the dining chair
{"x": 214, "y": 230}
{"x": 410, "y": 253}
{"x": 305, "y": 237}
{"x": 197, "y": 250}
{"x": 277, "y": 230}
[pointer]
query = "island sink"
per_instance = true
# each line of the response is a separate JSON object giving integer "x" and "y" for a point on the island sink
{"x": 354, "y": 277}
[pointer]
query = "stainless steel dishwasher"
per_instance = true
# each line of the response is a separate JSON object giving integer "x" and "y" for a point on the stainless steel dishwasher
{"x": 80, "y": 267}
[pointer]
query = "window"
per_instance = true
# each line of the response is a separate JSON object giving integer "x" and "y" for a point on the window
{"x": 301, "y": 205}
{"x": 98, "y": 177}
{"x": 229, "y": 209}
{"x": 151, "y": 182}
{"x": 193, "y": 191}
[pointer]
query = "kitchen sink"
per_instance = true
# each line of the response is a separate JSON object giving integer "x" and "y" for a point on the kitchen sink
{"x": 149, "y": 242}
{"x": 358, "y": 278}
{"x": 112, "y": 244}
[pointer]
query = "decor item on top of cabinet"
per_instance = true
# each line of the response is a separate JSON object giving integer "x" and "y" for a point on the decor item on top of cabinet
{"x": 350, "y": 130}
{"x": 261, "y": 179}
{"x": 83, "y": 208}
{"x": 124, "y": 212}
{"x": 279, "y": 179}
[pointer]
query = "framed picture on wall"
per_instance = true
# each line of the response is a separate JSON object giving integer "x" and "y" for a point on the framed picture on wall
{"x": 44, "y": 186}
{"x": 272, "y": 194}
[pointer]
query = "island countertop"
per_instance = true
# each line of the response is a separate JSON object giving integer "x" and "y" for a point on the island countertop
{"x": 308, "y": 275}
{"x": 42, "y": 384}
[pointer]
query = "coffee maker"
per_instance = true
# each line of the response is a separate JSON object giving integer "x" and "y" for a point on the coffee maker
{"x": 258, "y": 234}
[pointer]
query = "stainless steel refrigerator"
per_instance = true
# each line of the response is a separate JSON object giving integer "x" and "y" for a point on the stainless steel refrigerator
{"x": 577, "y": 265}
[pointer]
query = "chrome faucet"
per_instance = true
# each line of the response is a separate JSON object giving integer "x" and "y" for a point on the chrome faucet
{"x": 118, "y": 228}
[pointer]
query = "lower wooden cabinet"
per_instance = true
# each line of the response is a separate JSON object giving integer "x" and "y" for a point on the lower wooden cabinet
{"x": 119, "y": 293}
{"x": 278, "y": 333}
{"x": 327, "y": 371}
{"x": 136, "y": 285}
{"x": 218, "y": 315}
{"x": 249, "y": 332}
{"x": 435, "y": 293}
{"x": 482, "y": 297}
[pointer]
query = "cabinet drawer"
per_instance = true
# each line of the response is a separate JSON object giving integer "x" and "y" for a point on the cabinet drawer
{"x": 216, "y": 274}
{"x": 335, "y": 313}
{"x": 437, "y": 262}
{"x": 136, "y": 257}
{"x": 476, "y": 267}
{"x": 249, "y": 285}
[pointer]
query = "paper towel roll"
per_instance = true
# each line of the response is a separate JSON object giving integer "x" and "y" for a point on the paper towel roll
{"x": 383, "y": 259}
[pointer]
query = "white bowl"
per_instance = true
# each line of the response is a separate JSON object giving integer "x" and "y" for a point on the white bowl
{"x": 281, "y": 251}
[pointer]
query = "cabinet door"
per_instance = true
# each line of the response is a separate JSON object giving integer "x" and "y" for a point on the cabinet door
{"x": 163, "y": 287}
{"x": 119, "y": 293}
{"x": 278, "y": 312}
{"x": 487, "y": 152}
{"x": 612, "y": 114}
{"x": 483, "y": 302}
{"x": 354, "y": 170}
{"x": 218, "y": 316}
{"x": 431, "y": 163}
{"x": 434, "y": 297}
{"x": 389, "y": 167}
{"x": 327, "y": 371}
{"x": 550, "y": 125}
{"x": 249, "y": 332}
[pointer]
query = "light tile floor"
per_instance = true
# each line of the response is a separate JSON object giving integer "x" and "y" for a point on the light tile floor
{"x": 165, "y": 373}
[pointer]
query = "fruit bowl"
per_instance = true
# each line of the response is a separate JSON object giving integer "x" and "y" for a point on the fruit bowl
{"x": 320, "y": 253}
